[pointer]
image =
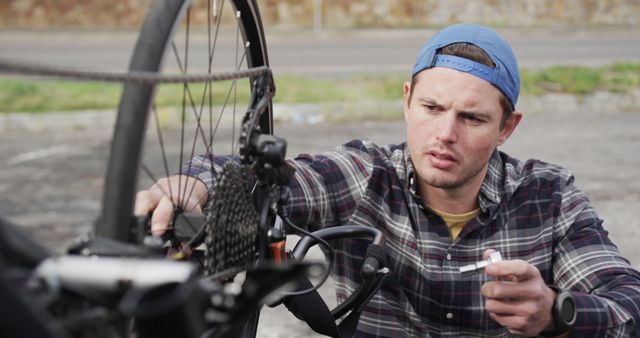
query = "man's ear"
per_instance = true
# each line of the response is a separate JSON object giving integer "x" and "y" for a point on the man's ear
{"x": 406, "y": 98}
{"x": 509, "y": 126}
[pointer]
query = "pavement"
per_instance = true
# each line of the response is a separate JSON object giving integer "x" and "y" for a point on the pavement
{"x": 330, "y": 52}
{"x": 51, "y": 179}
{"x": 51, "y": 175}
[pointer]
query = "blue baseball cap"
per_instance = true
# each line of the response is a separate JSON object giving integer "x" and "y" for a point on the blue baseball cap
{"x": 504, "y": 76}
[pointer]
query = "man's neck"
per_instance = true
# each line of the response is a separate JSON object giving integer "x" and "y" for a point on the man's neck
{"x": 452, "y": 200}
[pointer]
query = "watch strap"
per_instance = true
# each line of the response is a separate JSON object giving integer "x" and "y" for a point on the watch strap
{"x": 562, "y": 324}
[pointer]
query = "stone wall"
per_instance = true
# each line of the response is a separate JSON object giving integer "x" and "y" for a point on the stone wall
{"x": 72, "y": 13}
{"x": 513, "y": 13}
{"x": 339, "y": 13}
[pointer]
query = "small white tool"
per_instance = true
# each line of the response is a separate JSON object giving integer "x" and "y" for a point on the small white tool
{"x": 478, "y": 267}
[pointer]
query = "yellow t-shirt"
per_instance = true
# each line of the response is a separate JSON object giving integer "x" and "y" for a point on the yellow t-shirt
{"x": 455, "y": 222}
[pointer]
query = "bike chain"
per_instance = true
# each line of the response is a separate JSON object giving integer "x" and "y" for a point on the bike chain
{"x": 264, "y": 90}
{"x": 140, "y": 77}
{"x": 231, "y": 222}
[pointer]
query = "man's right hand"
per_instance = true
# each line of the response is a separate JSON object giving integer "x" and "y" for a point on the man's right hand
{"x": 188, "y": 193}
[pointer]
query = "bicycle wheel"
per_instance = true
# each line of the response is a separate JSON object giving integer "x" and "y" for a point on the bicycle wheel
{"x": 186, "y": 119}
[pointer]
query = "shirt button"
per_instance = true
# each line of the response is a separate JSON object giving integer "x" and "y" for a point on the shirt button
{"x": 448, "y": 256}
{"x": 449, "y": 315}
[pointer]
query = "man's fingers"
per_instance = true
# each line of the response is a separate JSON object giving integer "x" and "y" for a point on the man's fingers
{"x": 195, "y": 209}
{"x": 188, "y": 193}
{"x": 513, "y": 270}
{"x": 161, "y": 217}
{"x": 518, "y": 298}
{"x": 486, "y": 253}
{"x": 504, "y": 290}
{"x": 503, "y": 307}
{"x": 145, "y": 203}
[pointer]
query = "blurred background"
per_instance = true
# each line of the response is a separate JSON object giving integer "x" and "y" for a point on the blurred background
{"x": 332, "y": 14}
{"x": 339, "y": 68}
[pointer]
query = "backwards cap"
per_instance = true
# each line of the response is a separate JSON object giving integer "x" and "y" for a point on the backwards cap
{"x": 504, "y": 76}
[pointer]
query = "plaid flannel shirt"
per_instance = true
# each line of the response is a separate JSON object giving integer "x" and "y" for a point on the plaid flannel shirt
{"x": 529, "y": 210}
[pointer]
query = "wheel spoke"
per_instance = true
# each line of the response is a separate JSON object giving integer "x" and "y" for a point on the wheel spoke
{"x": 207, "y": 97}
{"x": 162, "y": 151}
{"x": 183, "y": 117}
{"x": 173, "y": 28}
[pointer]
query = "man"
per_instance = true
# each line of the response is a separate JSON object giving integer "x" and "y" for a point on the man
{"x": 447, "y": 198}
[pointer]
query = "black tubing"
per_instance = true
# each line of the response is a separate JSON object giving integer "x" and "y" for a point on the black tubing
{"x": 375, "y": 256}
{"x": 343, "y": 231}
{"x": 18, "y": 248}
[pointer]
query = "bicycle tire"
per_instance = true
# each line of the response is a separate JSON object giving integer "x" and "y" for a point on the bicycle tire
{"x": 116, "y": 219}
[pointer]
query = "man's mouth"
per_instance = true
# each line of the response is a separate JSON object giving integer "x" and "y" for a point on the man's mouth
{"x": 441, "y": 160}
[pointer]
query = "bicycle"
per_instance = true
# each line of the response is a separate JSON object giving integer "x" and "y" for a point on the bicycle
{"x": 78, "y": 304}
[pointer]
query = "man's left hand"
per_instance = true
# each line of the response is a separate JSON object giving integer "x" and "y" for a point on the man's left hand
{"x": 518, "y": 299}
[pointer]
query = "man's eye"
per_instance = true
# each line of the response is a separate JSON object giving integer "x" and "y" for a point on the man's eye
{"x": 472, "y": 118}
{"x": 430, "y": 107}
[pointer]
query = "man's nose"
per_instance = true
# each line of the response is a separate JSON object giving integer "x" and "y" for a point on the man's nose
{"x": 448, "y": 129}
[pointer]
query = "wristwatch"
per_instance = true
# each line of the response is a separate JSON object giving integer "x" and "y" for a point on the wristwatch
{"x": 564, "y": 312}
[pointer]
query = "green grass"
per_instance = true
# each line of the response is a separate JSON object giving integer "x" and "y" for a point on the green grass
{"x": 44, "y": 96}
{"x": 297, "y": 89}
{"x": 617, "y": 78}
{"x": 20, "y": 95}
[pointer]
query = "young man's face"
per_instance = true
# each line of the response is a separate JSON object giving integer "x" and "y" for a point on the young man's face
{"x": 453, "y": 127}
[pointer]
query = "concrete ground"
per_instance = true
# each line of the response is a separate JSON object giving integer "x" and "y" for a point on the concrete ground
{"x": 52, "y": 168}
{"x": 51, "y": 179}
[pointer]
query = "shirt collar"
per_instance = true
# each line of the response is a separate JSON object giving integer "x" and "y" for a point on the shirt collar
{"x": 492, "y": 187}
{"x": 412, "y": 182}
{"x": 490, "y": 195}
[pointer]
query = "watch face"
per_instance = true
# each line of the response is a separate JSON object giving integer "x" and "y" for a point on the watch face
{"x": 568, "y": 310}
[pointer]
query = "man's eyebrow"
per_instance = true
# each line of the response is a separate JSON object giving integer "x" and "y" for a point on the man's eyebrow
{"x": 432, "y": 102}
{"x": 428, "y": 101}
{"x": 476, "y": 114}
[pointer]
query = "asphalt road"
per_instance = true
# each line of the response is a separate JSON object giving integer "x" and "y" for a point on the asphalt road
{"x": 334, "y": 52}
{"x": 51, "y": 179}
